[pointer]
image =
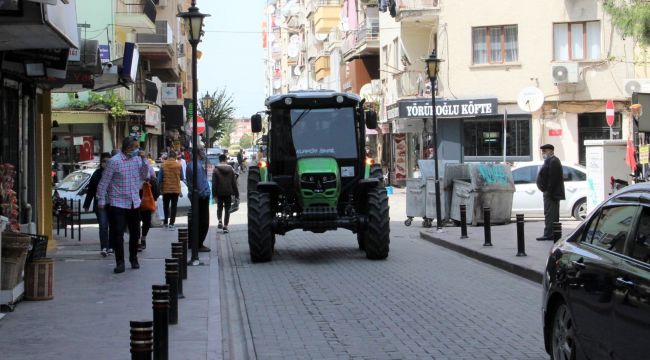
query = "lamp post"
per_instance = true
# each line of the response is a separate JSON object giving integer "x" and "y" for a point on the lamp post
{"x": 193, "y": 20}
{"x": 433, "y": 65}
{"x": 207, "y": 103}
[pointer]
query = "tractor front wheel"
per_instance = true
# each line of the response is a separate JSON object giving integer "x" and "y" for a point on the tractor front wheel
{"x": 377, "y": 235}
{"x": 261, "y": 238}
{"x": 253, "y": 179}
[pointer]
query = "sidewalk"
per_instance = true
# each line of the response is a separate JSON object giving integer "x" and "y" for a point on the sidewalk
{"x": 90, "y": 313}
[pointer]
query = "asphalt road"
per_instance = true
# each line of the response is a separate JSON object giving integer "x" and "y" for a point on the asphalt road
{"x": 320, "y": 298}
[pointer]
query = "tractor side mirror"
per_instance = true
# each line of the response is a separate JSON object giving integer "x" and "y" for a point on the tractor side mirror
{"x": 256, "y": 123}
{"x": 371, "y": 119}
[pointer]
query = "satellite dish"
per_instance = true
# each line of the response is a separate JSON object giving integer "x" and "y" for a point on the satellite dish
{"x": 293, "y": 50}
{"x": 321, "y": 36}
{"x": 530, "y": 99}
{"x": 297, "y": 71}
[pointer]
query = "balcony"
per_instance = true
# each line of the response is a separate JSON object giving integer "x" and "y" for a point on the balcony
{"x": 364, "y": 42}
{"x": 417, "y": 10}
{"x": 322, "y": 66}
{"x": 326, "y": 15}
{"x": 159, "y": 51}
{"x": 138, "y": 14}
{"x": 412, "y": 84}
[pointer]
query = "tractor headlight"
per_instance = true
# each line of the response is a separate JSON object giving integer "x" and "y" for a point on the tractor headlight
{"x": 339, "y": 99}
{"x": 288, "y": 101}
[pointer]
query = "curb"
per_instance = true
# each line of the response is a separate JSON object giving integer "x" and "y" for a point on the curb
{"x": 526, "y": 273}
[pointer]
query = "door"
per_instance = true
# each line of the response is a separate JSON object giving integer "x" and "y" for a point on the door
{"x": 591, "y": 278}
{"x": 527, "y": 199}
{"x": 632, "y": 295}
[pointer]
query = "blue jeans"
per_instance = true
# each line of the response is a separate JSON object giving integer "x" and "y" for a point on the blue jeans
{"x": 102, "y": 219}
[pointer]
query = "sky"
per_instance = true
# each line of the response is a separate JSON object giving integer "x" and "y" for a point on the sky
{"x": 233, "y": 57}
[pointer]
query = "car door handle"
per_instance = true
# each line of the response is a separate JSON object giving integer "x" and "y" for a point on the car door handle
{"x": 578, "y": 264}
{"x": 571, "y": 189}
{"x": 531, "y": 192}
{"x": 625, "y": 283}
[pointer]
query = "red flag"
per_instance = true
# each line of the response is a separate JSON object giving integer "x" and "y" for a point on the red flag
{"x": 630, "y": 159}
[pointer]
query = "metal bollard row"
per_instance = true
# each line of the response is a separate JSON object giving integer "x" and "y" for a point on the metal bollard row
{"x": 463, "y": 221}
{"x": 141, "y": 340}
{"x": 487, "y": 228}
{"x": 183, "y": 238}
{"x": 521, "y": 246}
{"x": 172, "y": 279}
{"x": 557, "y": 231}
{"x": 177, "y": 253}
{"x": 160, "y": 302}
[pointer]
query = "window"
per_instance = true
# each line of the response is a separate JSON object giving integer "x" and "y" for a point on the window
{"x": 384, "y": 54}
{"x": 495, "y": 44}
{"x": 612, "y": 228}
{"x": 484, "y": 138}
{"x": 525, "y": 175}
{"x": 641, "y": 243}
{"x": 576, "y": 41}
{"x": 395, "y": 63}
{"x": 571, "y": 174}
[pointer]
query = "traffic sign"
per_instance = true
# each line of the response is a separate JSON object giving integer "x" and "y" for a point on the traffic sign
{"x": 609, "y": 112}
{"x": 200, "y": 124}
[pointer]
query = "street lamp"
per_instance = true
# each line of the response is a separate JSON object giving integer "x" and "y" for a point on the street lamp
{"x": 207, "y": 103}
{"x": 433, "y": 66}
{"x": 193, "y": 20}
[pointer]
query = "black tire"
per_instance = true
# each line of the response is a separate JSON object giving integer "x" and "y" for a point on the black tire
{"x": 580, "y": 210}
{"x": 563, "y": 336}
{"x": 253, "y": 179}
{"x": 376, "y": 173}
{"x": 261, "y": 238}
{"x": 377, "y": 235}
{"x": 361, "y": 240}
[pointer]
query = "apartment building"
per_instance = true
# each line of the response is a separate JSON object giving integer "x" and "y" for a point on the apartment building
{"x": 569, "y": 50}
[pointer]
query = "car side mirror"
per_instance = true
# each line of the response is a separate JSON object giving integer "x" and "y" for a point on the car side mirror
{"x": 256, "y": 123}
{"x": 371, "y": 119}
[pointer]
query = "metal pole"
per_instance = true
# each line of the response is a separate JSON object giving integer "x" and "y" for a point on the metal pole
{"x": 177, "y": 253}
{"x": 487, "y": 227}
{"x": 521, "y": 245}
{"x": 557, "y": 231}
{"x": 182, "y": 238}
{"x": 463, "y": 221}
{"x": 172, "y": 279}
{"x": 160, "y": 300}
{"x": 141, "y": 340}
{"x": 195, "y": 164}
{"x": 435, "y": 152}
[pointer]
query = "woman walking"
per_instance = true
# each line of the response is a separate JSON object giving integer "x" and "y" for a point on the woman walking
{"x": 148, "y": 196}
{"x": 169, "y": 178}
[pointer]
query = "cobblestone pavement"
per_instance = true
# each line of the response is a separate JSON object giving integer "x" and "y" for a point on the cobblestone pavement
{"x": 320, "y": 298}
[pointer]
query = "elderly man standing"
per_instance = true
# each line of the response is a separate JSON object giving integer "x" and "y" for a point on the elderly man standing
{"x": 120, "y": 187}
{"x": 203, "y": 211}
{"x": 550, "y": 182}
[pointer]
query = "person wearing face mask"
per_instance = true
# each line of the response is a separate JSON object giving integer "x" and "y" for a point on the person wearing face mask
{"x": 120, "y": 187}
{"x": 550, "y": 182}
{"x": 169, "y": 179}
{"x": 101, "y": 214}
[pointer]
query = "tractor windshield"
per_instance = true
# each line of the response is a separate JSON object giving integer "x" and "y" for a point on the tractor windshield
{"x": 324, "y": 132}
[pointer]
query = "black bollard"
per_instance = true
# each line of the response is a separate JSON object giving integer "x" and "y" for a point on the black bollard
{"x": 171, "y": 278}
{"x": 557, "y": 231}
{"x": 183, "y": 239}
{"x": 521, "y": 246}
{"x": 160, "y": 301}
{"x": 177, "y": 253}
{"x": 141, "y": 340}
{"x": 463, "y": 221}
{"x": 487, "y": 229}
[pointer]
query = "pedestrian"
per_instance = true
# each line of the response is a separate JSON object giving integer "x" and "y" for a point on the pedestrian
{"x": 169, "y": 179}
{"x": 183, "y": 162}
{"x": 240, "y": 160}
{"x": 120, "y": 187}
{"x": 203, "y": 189}
{"x": 148, "y": 196}
{"x": 550, "y": 182}
{"x": 224, "y": 186}
{"x": 101, "y": 214}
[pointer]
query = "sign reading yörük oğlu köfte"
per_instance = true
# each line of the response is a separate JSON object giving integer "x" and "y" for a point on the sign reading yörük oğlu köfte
{"x": 457, "y": 108}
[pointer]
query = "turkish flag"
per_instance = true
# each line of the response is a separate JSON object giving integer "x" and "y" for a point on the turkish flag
{"x": 630, "y": 159}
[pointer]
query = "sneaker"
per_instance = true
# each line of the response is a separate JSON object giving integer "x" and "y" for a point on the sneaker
{"x": 220, "y": 226}
{"x": 172, "y": 227}
{"x": 104, "y": 252}
{"x": 225, "y": 230}
{"x": 110, "y": 251}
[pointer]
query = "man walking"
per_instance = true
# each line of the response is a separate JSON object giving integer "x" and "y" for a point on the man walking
{"x": 550, "y": 181}
{"x": 224, "y": 186}
{"x": 120, "y": 187}
{"x": 203, "y": 188}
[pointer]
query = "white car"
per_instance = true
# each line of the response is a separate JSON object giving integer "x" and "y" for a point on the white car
{"x": 528, "y": 200}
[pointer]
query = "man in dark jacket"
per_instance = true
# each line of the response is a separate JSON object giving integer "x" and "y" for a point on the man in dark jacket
{"x": 224, "y": 186}
{"x": 101, "y": 214}
{"x": 550, "y": 181}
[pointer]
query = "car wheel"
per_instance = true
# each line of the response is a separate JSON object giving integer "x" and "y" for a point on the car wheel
{"x": 580, "y": 210}
{"x": 563, "y": 345}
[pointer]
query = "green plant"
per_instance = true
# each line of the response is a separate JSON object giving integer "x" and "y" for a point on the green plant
{"x": 632, "y": 17}
{"x": 219, "y": 115}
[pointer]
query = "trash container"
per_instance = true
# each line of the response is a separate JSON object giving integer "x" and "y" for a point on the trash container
{"x": 15, "y": 247}
{"x": 489, "y": 185}
{"x": 431, "y": 200}
{"x": 415, "y": 200}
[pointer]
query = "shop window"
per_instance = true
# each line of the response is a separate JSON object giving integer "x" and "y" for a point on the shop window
{"x": 495, "y": 44}
{"x": 483, "y": 139}
{"x": 576, "y": 41}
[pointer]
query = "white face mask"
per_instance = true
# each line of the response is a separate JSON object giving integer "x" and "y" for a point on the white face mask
{"x": 546, "y": 156}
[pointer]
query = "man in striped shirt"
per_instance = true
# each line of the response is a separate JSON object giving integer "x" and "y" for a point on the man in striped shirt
{"x": 119, "y": 190}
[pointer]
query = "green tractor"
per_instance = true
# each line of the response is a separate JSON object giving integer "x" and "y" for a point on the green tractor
{"x": 316, "y": 176}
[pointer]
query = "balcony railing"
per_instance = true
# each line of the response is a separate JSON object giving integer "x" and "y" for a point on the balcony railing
{"x": 368, "y": 32}
{"x": 146, "y": 7}
{"x": 410, "y": 5}
{"x": 163, "y": 35}
{"x": 412, "y": 83}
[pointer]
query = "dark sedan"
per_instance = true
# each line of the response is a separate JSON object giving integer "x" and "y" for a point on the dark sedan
{"x": 597, "y": 283}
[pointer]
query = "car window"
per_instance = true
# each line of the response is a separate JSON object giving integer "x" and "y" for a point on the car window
{"x": 612, "y": 228}
{"x": 571, "y": 174}
{"x": 641, "y": 244}
{"x": 73, "y": 181}
{"x": 525, "y": 175}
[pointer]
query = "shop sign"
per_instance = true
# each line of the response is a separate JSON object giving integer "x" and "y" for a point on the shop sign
{"x": 104, "y": 53}
{"x": 421, "y": 108}
{"x": 644, "y": 154}
{"x": 152, "y": 117}
{"x": 554, "y": 132}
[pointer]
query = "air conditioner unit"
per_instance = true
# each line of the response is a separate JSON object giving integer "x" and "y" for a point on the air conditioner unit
{"x": 565, "y": 73}
{"x": 636, "y": 86}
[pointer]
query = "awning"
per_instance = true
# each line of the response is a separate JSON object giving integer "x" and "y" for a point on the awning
{"x": 80, "y": 117}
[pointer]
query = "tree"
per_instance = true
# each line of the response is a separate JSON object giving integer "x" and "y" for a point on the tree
{"x": 218, "y": 114}
{"x": 632, "y": 17}
{"x": 246, "y": 141}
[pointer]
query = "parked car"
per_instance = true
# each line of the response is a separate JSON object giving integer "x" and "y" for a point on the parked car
{"x": 528, "y": 200}
{"x": 596, "y": 288}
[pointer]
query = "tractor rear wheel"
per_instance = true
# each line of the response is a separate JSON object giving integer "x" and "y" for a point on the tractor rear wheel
{"x": 253, "y": 179}
{"x": 261, "y": 238}
{"x": 377, "y": 235}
